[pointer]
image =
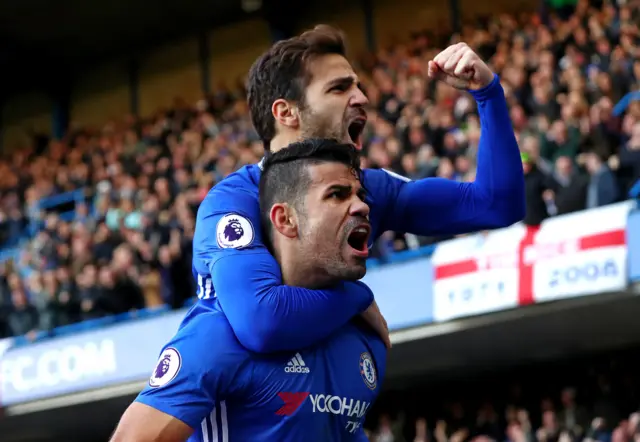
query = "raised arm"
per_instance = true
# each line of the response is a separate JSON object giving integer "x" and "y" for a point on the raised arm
{"x": 265, "y": 315}
{"x": 434, "y": 206}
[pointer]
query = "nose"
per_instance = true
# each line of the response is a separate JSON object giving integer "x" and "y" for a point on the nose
{"x": 359, "y": 208}
{"x": 358, "y": 99}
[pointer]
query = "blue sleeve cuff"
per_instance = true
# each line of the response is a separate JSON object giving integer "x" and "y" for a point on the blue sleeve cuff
{"x": 491, "y": 90}
{"x": 368, "y": 301}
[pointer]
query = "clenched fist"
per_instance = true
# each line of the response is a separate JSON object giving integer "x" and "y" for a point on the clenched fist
{"x": 460, "y": 67}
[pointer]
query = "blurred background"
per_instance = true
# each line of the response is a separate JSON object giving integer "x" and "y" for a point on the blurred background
{"x": 117, "y": 118}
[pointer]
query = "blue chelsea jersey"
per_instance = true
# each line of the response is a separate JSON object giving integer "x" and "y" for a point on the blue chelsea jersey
{"x": 205, "y": 378}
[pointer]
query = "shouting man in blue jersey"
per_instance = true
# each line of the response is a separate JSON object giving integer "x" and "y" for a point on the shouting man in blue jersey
{"x": 305, "y": 87}
{"x": 209, "y": 388}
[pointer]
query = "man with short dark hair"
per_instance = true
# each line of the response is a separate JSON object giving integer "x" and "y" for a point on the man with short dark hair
{"x": 285, "y": 177}
{"x": 316, "y": 222}
{"x": 282, "y": 76}
{"x": 305, "y": 87}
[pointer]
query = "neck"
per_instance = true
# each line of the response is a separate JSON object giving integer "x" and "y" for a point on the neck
{"x": 282, "y": 140}
{"x": 298, "y": 272}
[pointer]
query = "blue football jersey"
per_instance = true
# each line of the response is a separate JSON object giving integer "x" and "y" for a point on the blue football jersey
{"x": 205, "y": 378}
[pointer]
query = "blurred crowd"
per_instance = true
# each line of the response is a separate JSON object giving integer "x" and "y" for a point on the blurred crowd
{"x": 127, "y": 244}
{"x": 594, "y": 399}
{"x": 571, "y": 422}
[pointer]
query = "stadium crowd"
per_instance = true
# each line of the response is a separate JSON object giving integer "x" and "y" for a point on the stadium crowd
{"x": 128, "y": 245}
{"x": 591, "y": 399}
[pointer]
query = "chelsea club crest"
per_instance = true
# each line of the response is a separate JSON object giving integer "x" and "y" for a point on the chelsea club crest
{"x": 368, "y": 371}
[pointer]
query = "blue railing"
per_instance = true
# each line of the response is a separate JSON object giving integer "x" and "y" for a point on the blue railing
{"x": 9, "y": 253}
{"x": 91, "y": 324}
{"x": 53, "y": 202}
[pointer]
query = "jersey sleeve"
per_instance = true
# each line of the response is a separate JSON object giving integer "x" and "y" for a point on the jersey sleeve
{"x": 191, "y": 375}
{"x": 265, "y": 315}
{"x": 436, "y": 206}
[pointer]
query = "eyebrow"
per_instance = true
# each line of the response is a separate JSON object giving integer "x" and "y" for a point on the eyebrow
{"x": 361, "y": 192}
{"x": 341, "y": 187}
{"x": 343, "y": 81}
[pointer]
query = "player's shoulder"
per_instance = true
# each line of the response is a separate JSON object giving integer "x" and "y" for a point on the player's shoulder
{"x": 229, "y": 216}
{"x": 210, "y": 333}
{"x": 244, "y": 180}
{"x": 201, "y": 364}
{"x": 210, "y": 323}
{"x": 358, "y": 327}
{"x": 238, "y": 193}
{"x": 376, "y": 176}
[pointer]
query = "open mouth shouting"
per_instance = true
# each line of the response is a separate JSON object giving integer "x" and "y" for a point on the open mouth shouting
{"x": 355, "y": 130}
{"x": 358, "y": 240}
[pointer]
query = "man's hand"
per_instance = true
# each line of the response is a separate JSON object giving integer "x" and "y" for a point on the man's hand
{"x": 375, "y": 319}
{"x": 460, "y": 67}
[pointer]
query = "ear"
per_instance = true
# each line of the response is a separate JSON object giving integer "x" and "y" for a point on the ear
{"x": 284, "y": 220}
{"x": 285, "y": 113}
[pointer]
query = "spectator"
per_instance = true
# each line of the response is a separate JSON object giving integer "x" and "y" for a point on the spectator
{"x": 572, "y": 417}
{"x": 66, "y": 297}
{"x": 571, "y": 189}
{"x": 487, "y": 422}
{"x": 550, "y": 430}
{"x": 23, "y": 319}
{"x": 603, "y": 188}
{"x": 421, "y": 431}
{"x": 90, "y": 302}
{"x": 5, "y": 300}
{"x": 560, "y": 141}
{"x": 43, "y": 300}
{"x": 629, "y": 159}
{"x": 390, "y": 431}
{"x": 538, "y": 188}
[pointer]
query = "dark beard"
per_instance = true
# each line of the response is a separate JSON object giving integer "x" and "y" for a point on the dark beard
{"x": 315, "y": 126}
{"x": 324, "y": 268}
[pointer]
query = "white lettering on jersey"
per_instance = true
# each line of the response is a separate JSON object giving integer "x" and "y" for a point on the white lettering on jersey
{"x": 326, "y": 403}
{"x": 296, "y": 365}
{"x": 205, "y": 287}
{"x": 352, "y": 426}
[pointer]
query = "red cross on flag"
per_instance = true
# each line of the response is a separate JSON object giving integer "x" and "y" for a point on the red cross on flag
{"x": 583, "y": 253}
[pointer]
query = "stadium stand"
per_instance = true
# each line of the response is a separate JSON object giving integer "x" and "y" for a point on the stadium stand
{"x": 586, "y": 399}
{"x": 97, "y": 227}
{"x": 105, "y": 218}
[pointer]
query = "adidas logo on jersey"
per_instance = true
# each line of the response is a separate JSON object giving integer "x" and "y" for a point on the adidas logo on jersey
{"x": 296, "y": 365}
